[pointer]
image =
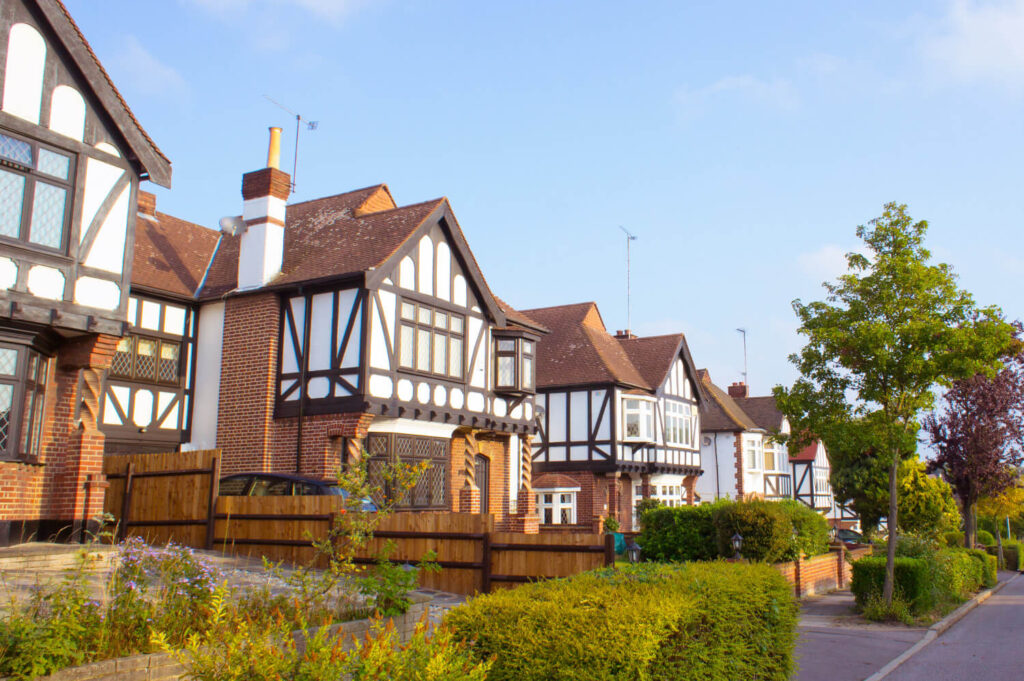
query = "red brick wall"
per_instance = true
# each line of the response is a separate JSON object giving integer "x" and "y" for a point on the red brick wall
{"x": 821, "y": 574}
{"x": 739, "y": 465}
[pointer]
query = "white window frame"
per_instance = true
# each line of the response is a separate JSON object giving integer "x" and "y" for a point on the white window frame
{"x": 769, "y": 449}
{"x": 680, "y": 420}
{"x": 556, "y": 504}
{"x": 645, "y": 408}
{"x": 752, "y": 445}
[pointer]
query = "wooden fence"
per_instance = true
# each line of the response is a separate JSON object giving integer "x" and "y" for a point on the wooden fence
{"x": 163, "y": 497}
{"x": 473, "y": 557}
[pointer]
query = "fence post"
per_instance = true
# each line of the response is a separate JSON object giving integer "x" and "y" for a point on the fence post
{"x": 211, "y": 503}
{"x": 485, "y": 559}
{"x": 841, "y": 559}
{"x": 126, "y": 501}
{"x": 609, "y": 550}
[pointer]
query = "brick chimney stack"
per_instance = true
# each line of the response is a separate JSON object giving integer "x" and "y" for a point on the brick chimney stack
{"x": 146, "y": 205}
{"x": 738, "y": 389}
{"x": 264, "y": 193}
{"x": 625, "y": 334}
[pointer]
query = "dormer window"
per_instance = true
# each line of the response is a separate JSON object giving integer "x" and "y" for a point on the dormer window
{"x": 35, "y": 190}
{"x": 514, "y": 364}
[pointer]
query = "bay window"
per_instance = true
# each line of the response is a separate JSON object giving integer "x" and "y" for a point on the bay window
{"x": 431, "y": 341}
{"x": 514, "y": 363}
{"x": 680, "y": 424}
{"x": 753, "y": 454}
{"x": 23, "y": 375}
{"x": 36, "y": 184}
{"x": 638, "y": 420}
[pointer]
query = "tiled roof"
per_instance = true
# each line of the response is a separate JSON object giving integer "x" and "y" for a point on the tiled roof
{"x": 762, "y": 411}
{"x": 579, "y": 350}
{"x": 171, "y": 255}
{"x": 653, "y": 356}
{"x": 720, "y": 412}
{"x": 554, "y": 481}
{"x": 516, "y": 317}
{"x": 329, "y": 237}
{"x": 808, "y": 453}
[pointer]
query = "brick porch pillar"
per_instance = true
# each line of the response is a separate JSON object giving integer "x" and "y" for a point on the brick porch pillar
{"x": 469, "y": 494}
{"x": 525, "y": 519}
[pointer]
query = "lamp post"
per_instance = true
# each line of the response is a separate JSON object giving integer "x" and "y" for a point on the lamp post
{"x": 737, "y": 544}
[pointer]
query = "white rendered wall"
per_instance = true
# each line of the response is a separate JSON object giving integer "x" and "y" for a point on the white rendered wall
{"x": 23, "y": 74}
{"x": 206, "y": 391}
{"x": 719, "y": 479}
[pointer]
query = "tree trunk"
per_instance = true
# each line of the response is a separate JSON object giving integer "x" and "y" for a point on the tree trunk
{"x": 999, "y": 550}
{"x": 890, "y": 556}
{"x": 970, "y": 524}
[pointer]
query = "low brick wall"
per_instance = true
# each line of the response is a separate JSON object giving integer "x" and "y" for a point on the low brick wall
{"x": 820, "y": 574}
{"x": 162, "y": 667}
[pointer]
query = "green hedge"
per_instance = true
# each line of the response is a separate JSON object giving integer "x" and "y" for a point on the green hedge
{"x": 985, "y": 538}
{"x": 1011, "y": 554}
{"x": 954, "y": 539}
{"x": 678, "y": 534}
{"x": 989, "y": 564}
{"x": 766, "y": 530}
{"x": 955, "y": 575}
{"x": 811, "y": 527}
{"x": 913, "y": 581}
{"x": 712, "y": 620}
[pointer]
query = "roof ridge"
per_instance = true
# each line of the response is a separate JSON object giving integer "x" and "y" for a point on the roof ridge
{"x": 334, "y": 196}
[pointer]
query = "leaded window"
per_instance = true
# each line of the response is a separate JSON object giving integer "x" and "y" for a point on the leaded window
{"x": 557, "y": 507}
{"x": 386, "y": 450}
{"x": 638, "y": 419}
{"x": 148, "y": 360}
{"x": 431, "y": 340}
{"x": 23, "y": 376}
{"x": 36, "y": 186}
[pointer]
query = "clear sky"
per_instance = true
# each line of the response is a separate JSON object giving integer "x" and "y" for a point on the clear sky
{"x": 742, "y": 142}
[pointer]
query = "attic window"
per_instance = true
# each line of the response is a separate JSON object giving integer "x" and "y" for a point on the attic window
{"x": 514, "y": 365}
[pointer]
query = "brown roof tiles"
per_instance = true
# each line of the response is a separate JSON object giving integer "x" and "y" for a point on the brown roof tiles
{"x": 171, "y": 255}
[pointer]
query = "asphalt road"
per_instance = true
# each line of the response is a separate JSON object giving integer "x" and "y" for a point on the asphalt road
{"x": 986, "y": 645}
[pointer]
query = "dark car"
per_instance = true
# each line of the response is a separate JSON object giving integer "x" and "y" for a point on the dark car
{"x": 849, "y": 537}
{"x": 282, "y": 485}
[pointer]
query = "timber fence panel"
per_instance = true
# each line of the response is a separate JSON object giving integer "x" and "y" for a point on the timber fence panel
{"x": 518, "y": 558}
{"x": 168, "y": 495}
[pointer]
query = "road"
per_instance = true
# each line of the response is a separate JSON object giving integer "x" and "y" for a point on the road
{"x": 986, "y": 644}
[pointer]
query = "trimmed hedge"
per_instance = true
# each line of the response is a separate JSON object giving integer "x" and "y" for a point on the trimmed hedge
{"x": 954, "y": 539}
{"x": 811, "y": 527}
{"x": 645, "y": 622}
{"x": 955, "y": 575}
{"x": 989, "y": 565}
{"x": 679, "y": 534}
{"x": 913, "y": 581}
{"x": 1011, "y": 554}
{"x": 985, "y": 538}
{"x": 766, "y": 530}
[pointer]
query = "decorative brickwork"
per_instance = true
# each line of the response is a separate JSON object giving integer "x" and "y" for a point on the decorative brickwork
{"x": 739, "y": 466}
{"x": 266, "y": 182}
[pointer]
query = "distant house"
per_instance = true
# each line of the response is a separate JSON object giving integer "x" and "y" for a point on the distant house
{"x": 741, "y": 456}
{"x": 619, "y": 418}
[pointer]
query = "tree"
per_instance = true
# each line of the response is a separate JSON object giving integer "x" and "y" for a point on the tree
{"x": 979, "y": 437}
{"x": 1009, "y": 503}
{"x": 891, "y": 329}
{"x": 926, "y": 504}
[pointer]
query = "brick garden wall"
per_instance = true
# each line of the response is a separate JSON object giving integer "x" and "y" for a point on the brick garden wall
{"x": 823, "y": 573}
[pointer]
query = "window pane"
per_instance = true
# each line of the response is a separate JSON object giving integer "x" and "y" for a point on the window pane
{"x": 169, "y": 362}
{"x": 16, "y": 150}
{"x": 527, "y": 347}
{"x": 440, "y": 353}
{"x": 548, "y": 516}
{"x": 565, "y": 516}
{"x": 54, "y": 164}
{"x": 456, "y": 324}
{"x": 455, "y": 357}
{"x": 424, "y": 315}
{"x": 422, "y": 350}
{"x": 506, "y": 346}
{"x": 406, "y": 350}
{"x": 408, "y": 311}
{"x": 12, "y": 193}
{"x": 8, "y": 361}
{"x": 632, "y": 424}
{"x": 506, "y": 371}
{"x": 121, "y": 365}
{"x": 566, "y": 498}
{"x": 48, "y": 215}
{"x": 441, "y": 320}
{"x": 528, "y": 372}
{"x": 6, "y": 400}
{"x": 145, "y": 361}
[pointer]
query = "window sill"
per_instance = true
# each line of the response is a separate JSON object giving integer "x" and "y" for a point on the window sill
{"x": 26, "y": 460}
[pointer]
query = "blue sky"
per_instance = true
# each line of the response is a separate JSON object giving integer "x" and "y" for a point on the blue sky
{"x": 741, "y": 142}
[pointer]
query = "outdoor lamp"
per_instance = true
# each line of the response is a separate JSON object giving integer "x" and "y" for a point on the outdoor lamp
{"x": 737, "y": 544}
{"x": 833, "y": 534}
{"x": 633, "y": 551}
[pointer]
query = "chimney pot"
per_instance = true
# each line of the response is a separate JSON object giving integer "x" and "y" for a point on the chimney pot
{"x": 274, "y": 149}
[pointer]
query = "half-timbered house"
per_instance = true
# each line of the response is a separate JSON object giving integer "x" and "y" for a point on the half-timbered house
{"x": 337, "y": 328}
{"x": 618, "y": 420}
{"x": 812, "y": 486}
{"x": 72, "y": 156}
{"x": 742, "y": 458}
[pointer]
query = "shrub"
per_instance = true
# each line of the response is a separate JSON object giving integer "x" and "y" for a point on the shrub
{"x": 645, "y": 505}
{"x": 954, "y": 539}
{"x": 1011, "y": 554}
{"x": 985, "y": 538}
{"x": 650, "y": 621}
{"x": 811, "y": 527}
{"x": 989, "y": 565}
{"x": 679, "y": 534}
{"x": 955, "y": 576}
{"x": 766, "y": 530}
{"x": 913, "y": 581}
{"x": 877, "y": 610}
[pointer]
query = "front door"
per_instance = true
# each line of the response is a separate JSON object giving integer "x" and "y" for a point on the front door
{"x": 483, "y": 481}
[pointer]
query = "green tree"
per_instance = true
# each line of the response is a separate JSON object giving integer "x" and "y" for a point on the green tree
{"x": 889, "y": 331}
{"x": 926, "y": 504}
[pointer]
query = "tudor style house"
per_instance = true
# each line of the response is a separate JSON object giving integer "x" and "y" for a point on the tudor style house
{"x": 305, "y": 336}
{"x": 741, "y": 457}
{"x": 618, "y": 420}
{"x": 72, "y": 156}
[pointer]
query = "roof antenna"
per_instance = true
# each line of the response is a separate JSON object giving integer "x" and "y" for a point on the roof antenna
{"x": 310, "y": 126}
{"x": 629, "y": 237}
{"x": 744, "y": 332}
